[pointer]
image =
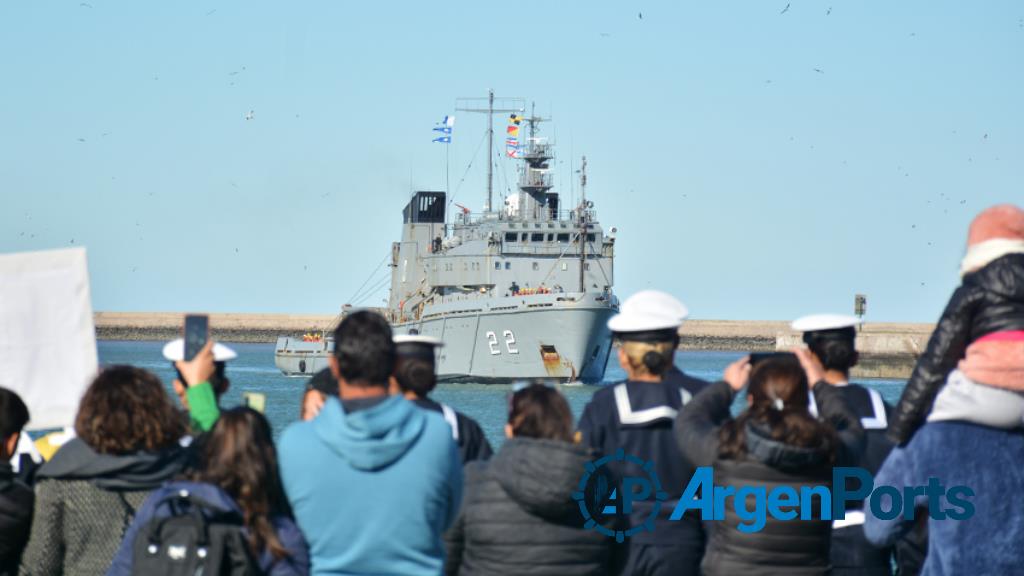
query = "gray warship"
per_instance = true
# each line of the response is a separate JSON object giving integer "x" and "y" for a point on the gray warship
{"x": 521, "y": 292}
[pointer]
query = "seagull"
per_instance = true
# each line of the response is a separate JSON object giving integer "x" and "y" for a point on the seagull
{"x": 640, "y": 15}
{"x": 250, "y": 115}
{"x": 819, "y": 70}
{"x": 605, "y": 35}
{"x": 81, "y": 139}
{"x": 211, "y": 12}
{"x": 84, "y": 5}
{"x": 829, "y": 11}
{"x": 784, "y": 10}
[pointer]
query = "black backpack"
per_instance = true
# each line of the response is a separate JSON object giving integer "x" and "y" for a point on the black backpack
{"x": 196, "y": 539}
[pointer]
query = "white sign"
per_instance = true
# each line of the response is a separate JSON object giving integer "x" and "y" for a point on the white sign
{"x": 47, "y": 336}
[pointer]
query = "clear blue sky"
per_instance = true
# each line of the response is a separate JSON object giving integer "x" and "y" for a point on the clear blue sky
{"x": 740, "y": 178}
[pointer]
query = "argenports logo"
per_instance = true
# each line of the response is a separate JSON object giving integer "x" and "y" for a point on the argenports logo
{"x": 606, "y": 500}
{"x": 610, "y": 498}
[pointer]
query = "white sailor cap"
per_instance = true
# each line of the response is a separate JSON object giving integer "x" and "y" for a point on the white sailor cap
{"x": 175, "y": 351}
{"x": 416, "y": 346}
{"x": 649, "y": 312}
{"x": 825, "y": 325}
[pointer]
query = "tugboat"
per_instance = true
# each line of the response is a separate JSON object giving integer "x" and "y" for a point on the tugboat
{"x": 523, "y": 292}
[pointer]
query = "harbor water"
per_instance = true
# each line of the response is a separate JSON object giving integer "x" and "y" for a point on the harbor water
{"x": 254, "y": 371}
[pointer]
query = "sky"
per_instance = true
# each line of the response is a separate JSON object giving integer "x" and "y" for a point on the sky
{"x": 760, "y": 160}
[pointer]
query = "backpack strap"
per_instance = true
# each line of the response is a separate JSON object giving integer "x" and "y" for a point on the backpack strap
{"x": 129, "y": 513}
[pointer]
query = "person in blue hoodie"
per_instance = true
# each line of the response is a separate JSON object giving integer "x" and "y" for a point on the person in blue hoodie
{"x": 236, "y": 472}
{"x": 373, "y": 480}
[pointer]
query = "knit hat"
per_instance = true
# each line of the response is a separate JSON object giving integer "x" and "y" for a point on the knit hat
{"x": 996, "y": 232}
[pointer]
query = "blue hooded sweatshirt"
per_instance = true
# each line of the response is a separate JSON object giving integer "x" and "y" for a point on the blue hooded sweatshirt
{"x": 373, "y": 489}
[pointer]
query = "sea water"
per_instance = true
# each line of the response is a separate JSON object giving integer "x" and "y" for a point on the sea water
{"x": 254, "y": 371}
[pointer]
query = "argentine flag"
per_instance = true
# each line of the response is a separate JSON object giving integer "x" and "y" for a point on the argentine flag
{"x": 443, "y": 139}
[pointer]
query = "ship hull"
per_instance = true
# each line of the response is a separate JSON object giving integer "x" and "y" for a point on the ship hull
{"x": 565, "y": 343}
{"x": 550, "y": 337}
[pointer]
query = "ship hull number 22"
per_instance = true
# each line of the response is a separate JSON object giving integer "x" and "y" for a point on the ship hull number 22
{"x": 510, "y": 343}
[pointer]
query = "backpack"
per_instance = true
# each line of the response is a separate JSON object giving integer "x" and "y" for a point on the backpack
{"x": 196, "y": 539}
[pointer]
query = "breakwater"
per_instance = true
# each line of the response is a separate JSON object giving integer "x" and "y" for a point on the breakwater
{"x": 888, "y": 350}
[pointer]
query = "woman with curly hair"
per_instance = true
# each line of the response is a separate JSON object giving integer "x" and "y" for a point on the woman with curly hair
{"x": 127, "y": 445}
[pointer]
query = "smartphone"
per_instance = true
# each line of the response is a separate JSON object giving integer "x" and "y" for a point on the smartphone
{"x": 756, "y": 357}
{"x": 255, "y": 400}
{"x": 197, "y": 332}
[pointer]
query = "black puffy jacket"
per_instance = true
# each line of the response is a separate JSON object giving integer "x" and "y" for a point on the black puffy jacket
{"x": 16, "y": 501}
{"x": 989, "y": 300}
{"x": 798, "y": 547}
{"x": 518, "y": 515}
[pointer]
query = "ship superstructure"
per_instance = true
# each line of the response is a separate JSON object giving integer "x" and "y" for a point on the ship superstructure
{"x": 519, "y": 292}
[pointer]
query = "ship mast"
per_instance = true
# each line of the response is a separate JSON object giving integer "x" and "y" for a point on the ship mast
{"x": 581, "y": 213}
{"x": 510, "y": 106}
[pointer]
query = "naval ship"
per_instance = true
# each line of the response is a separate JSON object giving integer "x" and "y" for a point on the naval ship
{"x": 521, "y": 292}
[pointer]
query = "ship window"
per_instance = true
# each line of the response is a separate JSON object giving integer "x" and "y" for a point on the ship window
{"x": 535, "y": 237}
{"x": 586, "y": 265}
{"x": 497, "y": 265}
{"x": 508, "y": 265}
{"x": 510, "y": 236}
{"x": 565, "y": 266}
{"x": 524, "y": 237}
{"x": 590, "y": 237}
{"x": 563, "y": 238}
{"x": 551, "y": 237}
{"x": 536, "y": 266}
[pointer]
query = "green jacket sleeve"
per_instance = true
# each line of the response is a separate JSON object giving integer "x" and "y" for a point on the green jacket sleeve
{"x": 202, "y": 406}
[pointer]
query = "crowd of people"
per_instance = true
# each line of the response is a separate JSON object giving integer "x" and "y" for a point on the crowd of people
{"x": 377, "y": 477}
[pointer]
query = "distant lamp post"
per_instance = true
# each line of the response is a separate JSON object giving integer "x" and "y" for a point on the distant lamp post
{"x": 860, "y": 306}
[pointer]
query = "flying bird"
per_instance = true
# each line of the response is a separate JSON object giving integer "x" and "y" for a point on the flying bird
{"x": 829, "y": 11}
{"x": 784, "y": 10}
{"x": 85, "y": 5}
{"x": 640, "y": 15}
{"x": 81, "y": 139}
{"x": 211, "y": 12}
{"x": 250, "y": 115}
{"x": 818, "y": 70}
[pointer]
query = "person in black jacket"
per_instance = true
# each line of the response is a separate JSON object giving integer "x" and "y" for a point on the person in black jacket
{"x": 831, "y": 338}
{"x": 636, "y": 417}
{"x": 775, "y": 442}
{"x": 16, "y": 498}
{"x": 518, "y": 515}
{"x": 415, "y": 371}
{"x": 980, "y": 333}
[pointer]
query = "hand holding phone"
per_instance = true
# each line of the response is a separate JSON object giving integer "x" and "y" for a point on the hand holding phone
{"x": 200, "y": 368}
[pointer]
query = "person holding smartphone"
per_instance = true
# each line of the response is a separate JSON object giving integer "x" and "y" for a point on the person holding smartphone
{"x": 201, "y": 380}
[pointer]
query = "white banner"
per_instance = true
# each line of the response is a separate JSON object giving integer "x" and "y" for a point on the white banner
{"x": 47, "y": 337}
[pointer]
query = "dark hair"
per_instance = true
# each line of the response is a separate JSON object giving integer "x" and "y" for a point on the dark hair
{"x": 238, "y": 456}
{"x": 538, "y": 411}
{"x": 773, "y": 380}
{"x": 13, "y": 413}
{"x": 834, "y": 353}
{"x": 363, "y": 347}
{"x": 125, "y": 410}
{"x": 415, "y": 375}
